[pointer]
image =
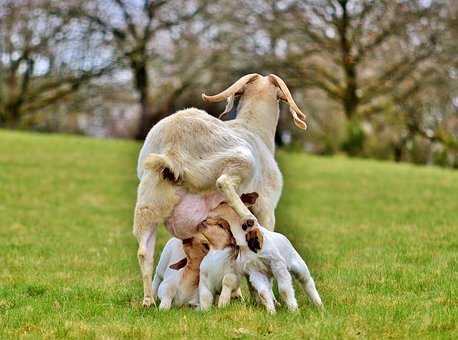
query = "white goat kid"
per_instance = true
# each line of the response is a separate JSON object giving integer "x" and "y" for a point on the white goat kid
{"x": 191, "y": 161}
{"x": 218, "y": 271}
{"x": 177, "y": 273}
{"x": 275, "y": 257}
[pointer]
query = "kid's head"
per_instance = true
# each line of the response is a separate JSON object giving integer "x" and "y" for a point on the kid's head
{"x": 217, "y": 232}
{"x": 195, "y": 249}
{"x": 223, "y": 227}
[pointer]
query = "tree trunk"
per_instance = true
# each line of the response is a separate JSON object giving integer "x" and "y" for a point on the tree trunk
{"x": 12, "y": 114}
{"x": 147, "y": 117}
{"x": 355, "y": 136}
{"x": 398, "y": 151}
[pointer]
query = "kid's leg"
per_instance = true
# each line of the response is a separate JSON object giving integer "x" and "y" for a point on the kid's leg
{"x": 205, "y": 297}
{"x": 166, "y": 293}
{"x": 237, "y": 294}
{"x": 230, "y": 284}
{"x": 262, "y": 285}
{"x": 285, "y": 285}
{"x": 301, "y": 271}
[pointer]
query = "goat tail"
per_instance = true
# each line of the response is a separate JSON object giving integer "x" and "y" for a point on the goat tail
{"x": 164, "y": 166}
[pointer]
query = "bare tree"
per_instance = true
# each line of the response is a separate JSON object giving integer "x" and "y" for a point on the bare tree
{"x": 137, "y": 32}
{"x": 37, "y": 68}
{"x": 363, "y": 54}
{"x": 378, "y": 75}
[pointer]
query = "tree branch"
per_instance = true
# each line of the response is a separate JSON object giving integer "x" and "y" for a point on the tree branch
{"x": 150, "y": 7}
{"x": 164, "y": 24}
{"x": 127, "y": 18}
{"x": 393, "y": 76}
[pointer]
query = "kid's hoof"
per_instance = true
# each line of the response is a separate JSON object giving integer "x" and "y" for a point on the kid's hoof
{"x": 293, "y": 308}
{"x": 254, "y": 240}
{"x": 271, "y": 311}
{"x": 248, "y": 224}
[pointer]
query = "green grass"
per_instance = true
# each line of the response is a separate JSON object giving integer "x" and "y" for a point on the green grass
{"x": 380, "y": 239}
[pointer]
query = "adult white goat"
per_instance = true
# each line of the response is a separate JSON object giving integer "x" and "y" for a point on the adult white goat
{"x": 190, "y": 162}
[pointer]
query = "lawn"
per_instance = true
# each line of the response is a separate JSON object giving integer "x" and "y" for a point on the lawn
{"x": 381, "y": 240}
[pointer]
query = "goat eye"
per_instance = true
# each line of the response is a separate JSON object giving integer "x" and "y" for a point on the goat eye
{"x": 220, "y": 225}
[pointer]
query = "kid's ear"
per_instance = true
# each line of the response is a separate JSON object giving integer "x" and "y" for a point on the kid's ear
{"x": 187, "y": 241}
{"x": 249, "y": 198}
{"x": 180, "y": 264}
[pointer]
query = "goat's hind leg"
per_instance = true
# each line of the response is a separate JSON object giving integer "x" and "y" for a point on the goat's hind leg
{"x": 302, "y": 273}
{"x": 285, "y": 285}
{"x": 145, "y": 255}
{"x": 235, "y": 171}
{"x": 263, "y": 287}
{"x": 155, "y": 201}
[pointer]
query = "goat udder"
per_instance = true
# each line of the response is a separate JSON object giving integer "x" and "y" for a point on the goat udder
{"x": 189, "y": 212}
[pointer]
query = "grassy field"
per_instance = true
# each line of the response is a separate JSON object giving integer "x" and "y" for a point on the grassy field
{"x": 380, "y": 239}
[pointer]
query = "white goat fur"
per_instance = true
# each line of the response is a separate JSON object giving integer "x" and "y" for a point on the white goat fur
{"x": 206, "y": 155}
{"x": 218, "y": 275}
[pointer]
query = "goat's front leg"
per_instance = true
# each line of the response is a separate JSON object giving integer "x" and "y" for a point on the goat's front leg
{"x": 227, "y": 185}
{"x": 230, "y": 283}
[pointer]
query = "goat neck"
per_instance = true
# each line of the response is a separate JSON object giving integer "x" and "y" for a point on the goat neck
{"x": 259, "y": 110}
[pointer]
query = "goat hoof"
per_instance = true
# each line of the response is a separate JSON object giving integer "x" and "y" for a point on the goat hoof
{"x": 254, "y": 239}
{"x": 147, "y": 302}
{"x": 248, "y": 224}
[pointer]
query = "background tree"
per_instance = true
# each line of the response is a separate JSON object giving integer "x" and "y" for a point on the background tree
{"x": 377, "y": 78}
{"x": 137, "y": 32}
{"x": 36, "y": 68}
{"x": 365, "y": 55}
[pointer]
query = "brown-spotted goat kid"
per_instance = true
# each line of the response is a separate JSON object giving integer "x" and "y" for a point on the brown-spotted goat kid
{"x": 275, "y": 258}
{"x": 177, "y": 274}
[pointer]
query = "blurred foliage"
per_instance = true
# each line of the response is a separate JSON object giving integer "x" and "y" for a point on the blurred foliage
{"x": 377, "y": 78}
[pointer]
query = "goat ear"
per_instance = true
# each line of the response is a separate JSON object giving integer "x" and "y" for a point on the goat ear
{"x": 180, "y": 264}
{"x": 229, "y": 106}
{"x": 249, "y": 198}
{"x": 284, "y": 94}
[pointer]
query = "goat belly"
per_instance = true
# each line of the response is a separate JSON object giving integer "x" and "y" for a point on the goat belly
{"x": 189, "y": 212}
